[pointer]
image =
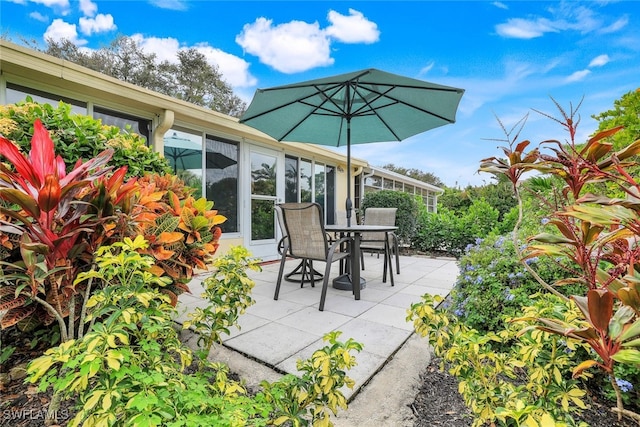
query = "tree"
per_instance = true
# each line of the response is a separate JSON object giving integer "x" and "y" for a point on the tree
{"x": 625, "y": 112}
{"x": 427, "y": 177}
{"x": 200, "y": 83}
{"x": 191, "y": 79}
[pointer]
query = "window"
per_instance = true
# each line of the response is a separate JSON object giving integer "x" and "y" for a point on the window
{"x": 222, "y": 179}
{"x": 123, "y": 121}
{"x": 398, "y": 185}
{"x": 291, "y": 179}
{"x": 305, "y": 181}
{"x": 409, "y": 188}
{"x": 373, "y": 181}
{"x": 387, "y": 184}
{"x": 183, "y": 150}
{"x": 16, "y": 93}
{"x": 318, "y": 173}
{"x": 331, "y": 194}
{"x": 431, "y": 202}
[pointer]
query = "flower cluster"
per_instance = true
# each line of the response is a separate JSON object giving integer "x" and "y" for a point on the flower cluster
{"x": 625, "y": 386}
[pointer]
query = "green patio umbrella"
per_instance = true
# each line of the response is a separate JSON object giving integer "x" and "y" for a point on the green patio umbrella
{"x": 354, "y": 108}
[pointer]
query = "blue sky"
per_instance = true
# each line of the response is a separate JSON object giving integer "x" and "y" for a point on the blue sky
{"x": 510, "y": 56}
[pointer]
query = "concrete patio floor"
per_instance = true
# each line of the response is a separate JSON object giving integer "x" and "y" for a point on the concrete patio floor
{"x": 278, "y": 333}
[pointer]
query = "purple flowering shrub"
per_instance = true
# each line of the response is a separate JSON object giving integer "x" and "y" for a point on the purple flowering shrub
{"x": 493, "y": 283}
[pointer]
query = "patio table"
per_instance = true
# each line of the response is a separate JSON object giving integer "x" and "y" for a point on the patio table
{"x": 352, "y": 275}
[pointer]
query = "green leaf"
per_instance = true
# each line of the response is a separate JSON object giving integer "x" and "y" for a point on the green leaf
{"x": 631, "y": 331}
{"x": 627, "y": 356}
{"x": 552, "y": 239}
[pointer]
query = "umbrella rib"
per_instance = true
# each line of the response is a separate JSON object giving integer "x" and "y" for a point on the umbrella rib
{"x": 374, "y": 111}
{"x": 399, "y": 101}
{"x": 286, "y": 104}
{"x": 314, "y": 109}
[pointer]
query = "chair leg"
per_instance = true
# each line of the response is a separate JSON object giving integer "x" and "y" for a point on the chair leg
{"x": 387, "y": 254}
{"x": 325, "y": 283}
{"x": 397, "y": 254}
{"x": 361, "y": 259}
{"x": 280, "y": 273}
{"x": 311, "y": 275}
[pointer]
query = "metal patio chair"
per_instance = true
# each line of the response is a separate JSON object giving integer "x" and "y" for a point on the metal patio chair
{"x": 375, "y": 242}
{"x": 306, "y": 240}
{"x": 304, "y": 270}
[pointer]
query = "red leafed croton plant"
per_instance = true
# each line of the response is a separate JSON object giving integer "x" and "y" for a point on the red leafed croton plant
{"x": 52, "y": 221}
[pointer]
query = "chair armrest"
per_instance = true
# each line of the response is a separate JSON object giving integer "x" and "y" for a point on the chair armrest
{"x": 336, "y": 244}
{"x": 283, "y": 245}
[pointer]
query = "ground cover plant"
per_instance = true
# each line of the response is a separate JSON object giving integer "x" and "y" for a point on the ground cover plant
{"x": 534, "y": 368}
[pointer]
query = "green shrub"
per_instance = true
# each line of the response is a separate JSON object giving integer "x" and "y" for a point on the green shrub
{"x": 228, "y": 291}
{"x": 130, "y": 368}
{"x": 405, "y": 215}
{"x": 452, "y": 231}
{"x": 493, "y": 283}
{"x": 78, "y": 136}
{"x": 515, "y": 377}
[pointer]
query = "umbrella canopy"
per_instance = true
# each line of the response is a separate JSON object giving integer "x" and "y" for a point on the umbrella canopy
{"x": 354, "y": 108}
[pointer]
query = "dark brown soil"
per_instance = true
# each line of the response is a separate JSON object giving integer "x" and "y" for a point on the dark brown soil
{"x": 20, "y": 404}
{"x": 438, "y": 403}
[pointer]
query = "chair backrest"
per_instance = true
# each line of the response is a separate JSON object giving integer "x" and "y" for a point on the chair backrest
{"x": 304, "y": 227}
{"x": 378, "y": 216}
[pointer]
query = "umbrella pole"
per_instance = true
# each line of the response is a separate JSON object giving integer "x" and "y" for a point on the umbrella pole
{"x": 348, "y": 204}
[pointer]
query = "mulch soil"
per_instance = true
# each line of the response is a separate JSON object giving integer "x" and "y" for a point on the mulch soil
{"x": 438, "y": 403}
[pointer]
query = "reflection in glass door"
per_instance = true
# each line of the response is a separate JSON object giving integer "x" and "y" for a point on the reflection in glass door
{"x": 265, "y": 188}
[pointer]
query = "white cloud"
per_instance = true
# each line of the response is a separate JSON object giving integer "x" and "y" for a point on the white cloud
{"x": 39, "y": 17}
{"x": 577, "y": 76}
{"x": 292, "y": 47}
{"x": 100, "y": 24}
{"x": 59, "y": 30}
{"x": 599, "y": 61}
{"x": 565, "y": 16}
{"x": 234, "y": 70}
{"x": 579, "y": 18}
{"x": 425, "y": 70}
{"x": 500, "y": 5}
{"x": 616, "y": 26}
{"x": 298, "y": 46}
{"x": 164, "y": 48}
{"x": 169, "y": 4}
{"x": 53, "y": 3}
{"x": 88, "y": 8}
{"x": 354, "y": 28}
{"x": 518, "y": 28}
